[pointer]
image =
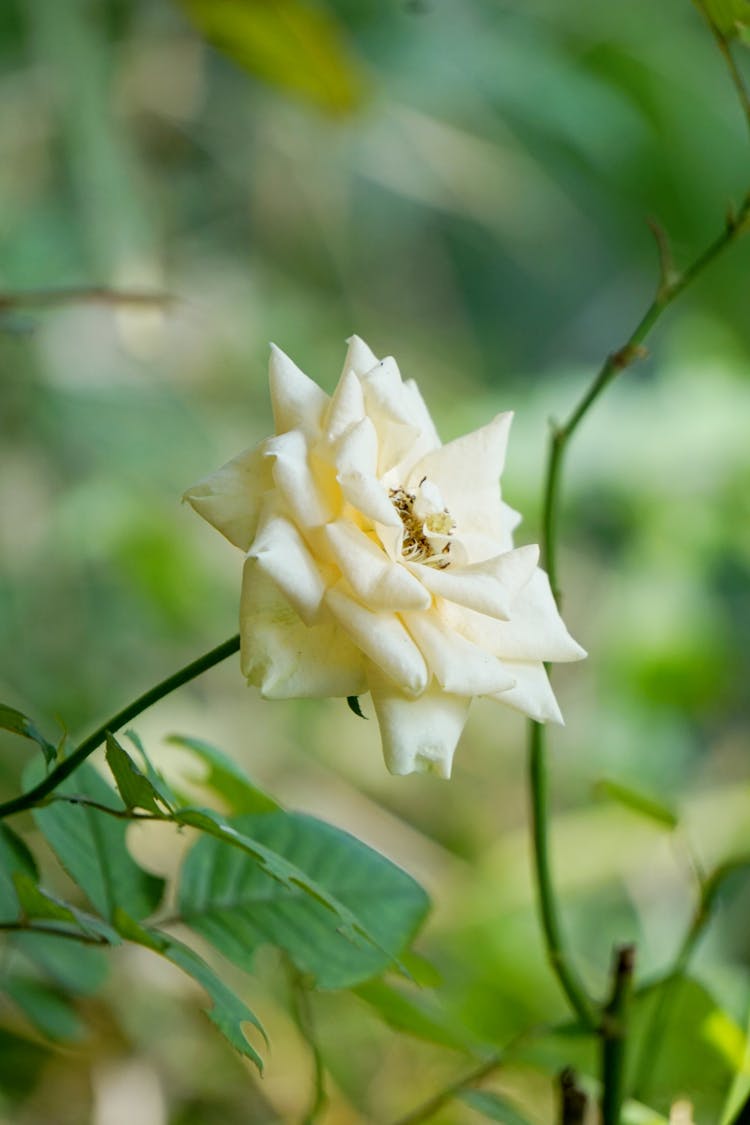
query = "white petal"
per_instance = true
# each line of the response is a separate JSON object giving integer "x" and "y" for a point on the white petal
{"x": 284, "y": 657}
{"x": 383, "y": 638}
{"x": 467, "y": 472}
{"x": 282, "y": 554}
{"x": 534, "y": 632}
{"x": 418, "y": 735}
{"x": 230, "y": 498}
{"x": 459, "y": 666}
{"x": 296, "y": 481}
{"x": 347, "y": 406}
{"x": 378, "y": 582}
{"x": 359, "y": 358}
{"x": 532, "y": 694}
{"x": 355, "y": 457}
{"x": 298, "y": 402}
{"x": 490, "y": 587}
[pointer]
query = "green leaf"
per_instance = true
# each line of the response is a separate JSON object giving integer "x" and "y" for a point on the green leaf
{"x": 229, "y": 1013}
{"x": 157, "y": 779}
{"x": 18, "y": 723}
{"x": 289, "y": 43}
{"x": 412, "y": 1015}
{"x": 91, "y": 847}
{"x": 492, "y": 1106}
{"x": 15, "y": 858}
{"x": 37, "y": 903}
{"x": 353, "y": 702}
{"x": 80, "y": 969}
{"x": 225, "y": 778}
{"x": 133, "y": 786}
{"x": 45, "y": 1008}
{"x": 637, "y": 802}
{"x": 307, "y": 888}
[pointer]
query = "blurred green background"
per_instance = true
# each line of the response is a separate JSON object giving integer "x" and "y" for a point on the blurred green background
{"x": 465, "y": 184}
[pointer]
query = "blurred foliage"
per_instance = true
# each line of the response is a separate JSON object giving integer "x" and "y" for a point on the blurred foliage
{"x": 476, "y": 204}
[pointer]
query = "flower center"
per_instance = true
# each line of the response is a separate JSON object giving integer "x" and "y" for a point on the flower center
{"x": 427, "y": 525}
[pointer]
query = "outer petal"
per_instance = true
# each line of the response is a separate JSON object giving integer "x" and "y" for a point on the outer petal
{"x": 295, "y": 480}
{"x": 282, "y": 554}
{"x": 298, "y": 402}
{"x": 532, "y": 694}
{"x": 459, "y": 666}
{"x": 383, "y": 638}
{"x": 378, "y": 582}
{"x": 418, "y": 735}
{"x": 284, "y": 657}
{"x": 490, "y": 587}
{"x": 347, "y": 406}
{"x": 535, "y": 631}
{"x": 359, "y": 358}
{"x": 230, "y": 498}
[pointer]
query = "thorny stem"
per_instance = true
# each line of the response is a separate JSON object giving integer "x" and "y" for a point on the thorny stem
{"x": 670, "y": 287}
{"x": 66, "y": 767}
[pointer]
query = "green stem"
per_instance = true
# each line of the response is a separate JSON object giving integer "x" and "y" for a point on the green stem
{"x": 570, "y": 982}
{"x": 614, "y": 1031}
{"x": 669, "y": 289}
{"x": 438, "y": 1101}
{"x": 81, "y": 753}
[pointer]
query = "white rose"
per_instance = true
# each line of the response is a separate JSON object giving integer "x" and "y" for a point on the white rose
{"x": 379, "y": 559}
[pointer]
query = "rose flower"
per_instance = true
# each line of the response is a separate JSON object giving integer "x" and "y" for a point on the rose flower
{"x": 380, "y": 560}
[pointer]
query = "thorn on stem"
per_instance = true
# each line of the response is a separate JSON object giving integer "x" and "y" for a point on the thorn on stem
{"x": 668, "y": 274}
{"x": 626, "y": 355}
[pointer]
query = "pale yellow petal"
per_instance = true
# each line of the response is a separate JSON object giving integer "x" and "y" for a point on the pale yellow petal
{"x": 296, "y": 481}
{"x": 534, "y": 632}
{"x": 230, "y": 499}
{"x": 347, "y": 406}
{"x": 532, "y": 694}
{"x": 359, "y": 358}
{"x": 382, "y": 638}
{"x": 490, "y": 587}
{"x": 282, "y": 554}
{"x": 459, "y": 666}
{"x": 298, "y": 402}
{"x": 284, "y": 657}
{"x": 375, "y": 580}
{"x": 418, "y": 735}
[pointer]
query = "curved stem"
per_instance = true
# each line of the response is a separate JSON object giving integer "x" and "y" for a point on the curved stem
{"x": 570, "y": 982}
{"x": 670, "y": 288}
{"x": 81, "y": 753}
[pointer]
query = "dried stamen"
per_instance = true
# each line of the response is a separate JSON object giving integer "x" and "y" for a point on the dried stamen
{"x": 416, "y": 546}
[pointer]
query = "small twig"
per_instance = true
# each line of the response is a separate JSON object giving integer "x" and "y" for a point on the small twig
{"x": 614, "y": 1031}
{"x": 91, "y": 295}
{"x": 722, "y": 42}
{"x": 94, "y": 741}
{"x": 667, "y": 271}
{"x": 448, "y": 1093}
{"x": 29, "y": 927}
{"x": 573, "y": 1100}
{"x": 121, "y": 814}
